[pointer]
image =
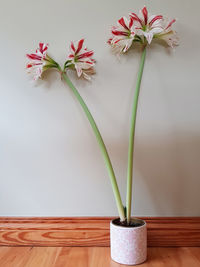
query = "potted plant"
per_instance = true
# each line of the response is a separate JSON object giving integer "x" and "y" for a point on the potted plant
{"x": 128, "y": 235}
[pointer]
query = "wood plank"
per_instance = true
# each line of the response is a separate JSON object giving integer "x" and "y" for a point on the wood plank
{"x": 93, "y": 257}
{"x": 14, "y": 256}
{"x": 42, "y": 257}
{"x": 93, "y": 231}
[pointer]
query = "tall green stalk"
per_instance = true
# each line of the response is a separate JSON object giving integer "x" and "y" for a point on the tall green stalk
{"x": 132, "y": 137}
{"x": 102, "y": 147}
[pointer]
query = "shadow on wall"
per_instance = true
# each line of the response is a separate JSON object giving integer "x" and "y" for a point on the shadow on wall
{"x": 169, "y": 168}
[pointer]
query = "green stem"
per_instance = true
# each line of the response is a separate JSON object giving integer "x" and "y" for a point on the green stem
{"x": 102, "y": 147}
{"x": 131, "y": 139}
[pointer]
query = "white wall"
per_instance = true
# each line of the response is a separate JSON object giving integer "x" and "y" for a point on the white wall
{"x": 50, "y": 164}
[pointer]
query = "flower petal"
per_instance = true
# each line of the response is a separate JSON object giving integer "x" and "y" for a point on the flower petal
{"x": 33, "y": 56}
{"x": 115, "y": 32}
{"x": 170, "y": 24}
{"x": 145, "y": 14}
{"x": 130, "y": 23}
{"x": 78, "y": 70}
{"x": 72, "y": 47}
{"x": 149, "y": 36}
{"x": 122, "y": 23}
{"x": 136, "y": 18}
{"x": 85, "y": 55}
{"x": 155, "y": 19}
{"x": 80, "y": 45}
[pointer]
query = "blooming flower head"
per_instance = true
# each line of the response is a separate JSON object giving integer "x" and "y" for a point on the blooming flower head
{"x": 80, "y": 59}
{"x": 123, "y": 35}
{"x": 39, "y": 61}
{"x": 151, "y": 26}
{"x": 147, "y": 25}
{"x": 142, "y": 28}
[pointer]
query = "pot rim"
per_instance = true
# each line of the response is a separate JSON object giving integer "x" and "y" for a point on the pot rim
{"x": 129, "y": 227}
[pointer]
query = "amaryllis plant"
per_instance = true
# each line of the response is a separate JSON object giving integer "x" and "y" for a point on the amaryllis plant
{"x": 79, "y": 59}
{"x": 143, "y": 29}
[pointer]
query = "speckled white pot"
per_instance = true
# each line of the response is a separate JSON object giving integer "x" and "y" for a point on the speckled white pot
{"x": 128, "y": 244}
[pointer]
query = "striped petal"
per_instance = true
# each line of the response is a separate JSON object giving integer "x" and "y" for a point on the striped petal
{"x": 136, "y": 18}
{"x": 170, "y": 24}
{"x": 154, "y": 20}
{"x": 80, "y": 45}
{"x": 145, "y": 14}
{"x": 72, "y": 47}
{"x": 123, "y": 23}
{"x": 115, "y": 32}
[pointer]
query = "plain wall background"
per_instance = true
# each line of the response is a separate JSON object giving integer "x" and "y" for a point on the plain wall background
{"x": 50, "y": 163}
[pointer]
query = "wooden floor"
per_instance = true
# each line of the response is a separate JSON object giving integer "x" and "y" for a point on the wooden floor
{"x": 93, "y": 257}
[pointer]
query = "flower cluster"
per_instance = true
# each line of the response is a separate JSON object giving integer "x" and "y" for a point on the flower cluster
{"x": 141, "y": 28}
{"x": 79, "y": 59}
{"x": 39, "y": 61}
{"x": 123, "y": 35}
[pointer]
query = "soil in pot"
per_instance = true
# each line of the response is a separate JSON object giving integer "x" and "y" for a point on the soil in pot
{"x": 133, "y": 223}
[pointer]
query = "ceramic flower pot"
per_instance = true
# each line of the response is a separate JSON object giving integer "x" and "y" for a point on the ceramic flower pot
{"x": 128, "y": 244}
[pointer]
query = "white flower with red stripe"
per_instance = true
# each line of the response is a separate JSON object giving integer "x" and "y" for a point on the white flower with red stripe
{"x": 80, "y": 59}
{"x": 123, "y": 35}
{"x": 146, "y": 25}
{"x": 168, "y": 34}
{"x": 39, "y": 61}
